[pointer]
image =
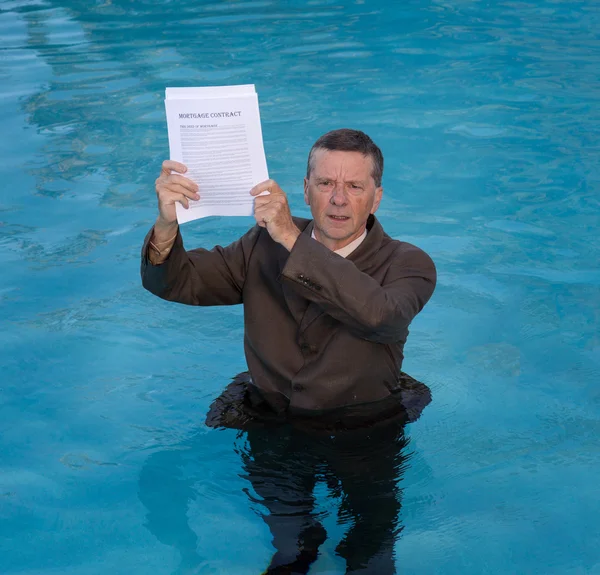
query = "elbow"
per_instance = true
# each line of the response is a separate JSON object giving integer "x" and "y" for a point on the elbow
{"x": 385, "y": 329}
{"x": 389, "y": 323}
{"x": 149, "y": 282}
{"x": 154, "y": 282}
{"x": 155, "y": 288}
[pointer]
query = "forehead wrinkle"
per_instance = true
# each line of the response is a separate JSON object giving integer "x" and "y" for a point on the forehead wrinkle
{"x": 345, "y": 169}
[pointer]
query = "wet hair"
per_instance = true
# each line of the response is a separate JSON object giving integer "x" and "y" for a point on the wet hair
{"x": 346, "y": 140}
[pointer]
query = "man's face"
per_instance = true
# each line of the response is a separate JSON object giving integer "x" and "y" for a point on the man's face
{"x": 341, "y": 194}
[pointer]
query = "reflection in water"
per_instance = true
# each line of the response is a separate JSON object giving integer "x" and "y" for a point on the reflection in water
{"x": 364, "y": 467}
{"x": 487, "y": 115}
{"x": 166, "y": 492}
{"x": 283, "y": 463}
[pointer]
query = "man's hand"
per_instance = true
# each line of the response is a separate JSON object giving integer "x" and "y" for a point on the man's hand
{"x": 273, "y": 212}
{"x": 172, "y": 188}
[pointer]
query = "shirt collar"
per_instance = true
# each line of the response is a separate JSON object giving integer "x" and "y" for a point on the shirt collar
{"x": 347, "y": 250}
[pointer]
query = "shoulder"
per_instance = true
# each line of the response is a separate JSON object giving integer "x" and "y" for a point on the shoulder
{"x": 408, "y": 251}
{"x": 406, "y": 255}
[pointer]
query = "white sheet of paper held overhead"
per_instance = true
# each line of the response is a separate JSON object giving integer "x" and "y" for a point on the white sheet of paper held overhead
{"x": 216, "y": 133}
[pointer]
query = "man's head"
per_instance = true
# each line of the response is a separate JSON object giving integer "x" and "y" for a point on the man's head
{"x": 343, "y": 185}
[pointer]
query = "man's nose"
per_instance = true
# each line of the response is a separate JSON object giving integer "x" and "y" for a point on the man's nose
{"x": 338, "y": 195}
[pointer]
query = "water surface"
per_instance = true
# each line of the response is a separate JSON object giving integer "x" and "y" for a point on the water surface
{"x": 488, "y": 116}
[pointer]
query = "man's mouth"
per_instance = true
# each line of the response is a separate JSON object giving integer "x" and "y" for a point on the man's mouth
{"x": 339, "y": 218}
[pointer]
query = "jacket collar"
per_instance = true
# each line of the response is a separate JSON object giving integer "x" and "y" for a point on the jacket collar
{"x": 363, "y": 254}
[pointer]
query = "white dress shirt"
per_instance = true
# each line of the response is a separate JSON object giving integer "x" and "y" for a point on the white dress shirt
{"x": 347, "y": 250}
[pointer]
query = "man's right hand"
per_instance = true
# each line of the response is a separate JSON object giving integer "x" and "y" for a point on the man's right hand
{"x": 171, "y": 188}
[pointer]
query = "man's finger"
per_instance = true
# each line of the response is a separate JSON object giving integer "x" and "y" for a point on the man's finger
{"x": 270, "y": 186}
{"x": 172, "y": 165}
{"x": 275, "y": 205}
{"x": 172, "y": 197}
{"x": 259, "y": 188}
{"x": 182, "y": 181}
{"x": 280, "y": 200}
{"x": 261, "y": 201}
{"x": 267, "y": 214}
{"x": 182, "y": 200}
{"x": 179, "y": 191}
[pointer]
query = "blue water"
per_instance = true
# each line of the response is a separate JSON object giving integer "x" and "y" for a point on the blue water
{"x": 488, "y": 114}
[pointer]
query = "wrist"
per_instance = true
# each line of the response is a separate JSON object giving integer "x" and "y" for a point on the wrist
{"x": 289, "y": 240}
{"x": 164, "y": 231}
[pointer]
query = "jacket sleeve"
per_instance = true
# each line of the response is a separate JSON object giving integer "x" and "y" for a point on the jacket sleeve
{"x": 374, "y": 311}
{"x": 200, "y": 276}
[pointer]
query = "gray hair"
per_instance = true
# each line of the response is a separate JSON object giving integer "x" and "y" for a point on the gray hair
{"x": 346, "y": 140}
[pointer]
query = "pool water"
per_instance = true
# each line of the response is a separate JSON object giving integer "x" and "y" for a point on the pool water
{"x": 488, "y": 115}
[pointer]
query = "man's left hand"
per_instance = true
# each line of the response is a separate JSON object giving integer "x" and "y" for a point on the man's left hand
{"x": 272, "y": 211}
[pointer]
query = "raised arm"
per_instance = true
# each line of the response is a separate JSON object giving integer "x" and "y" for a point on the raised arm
{"x": 195, "y": 277}
{"x": 200, "y": 276}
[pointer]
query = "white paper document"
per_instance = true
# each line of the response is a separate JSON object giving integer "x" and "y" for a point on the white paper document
{"x": 216, "y": 133}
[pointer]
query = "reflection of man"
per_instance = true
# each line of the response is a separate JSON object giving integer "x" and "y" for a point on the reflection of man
{"x": 327, "y": 305}
{"x": 281, "y": 465}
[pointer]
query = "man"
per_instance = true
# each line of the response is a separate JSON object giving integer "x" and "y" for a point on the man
{"x": 327, "y": 305}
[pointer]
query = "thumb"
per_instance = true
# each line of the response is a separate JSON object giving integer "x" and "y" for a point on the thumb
{"x": 265, "y": 188}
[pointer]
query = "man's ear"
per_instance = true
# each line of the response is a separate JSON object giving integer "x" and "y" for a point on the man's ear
{"x": 377, "y": 201}
{"x": 306, "y": 197}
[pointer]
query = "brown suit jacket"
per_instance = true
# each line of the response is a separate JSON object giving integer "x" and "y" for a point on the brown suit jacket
{"x": 321, "y": 331}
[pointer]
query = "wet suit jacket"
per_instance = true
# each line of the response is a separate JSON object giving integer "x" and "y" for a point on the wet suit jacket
{"x": 322, "y": 332}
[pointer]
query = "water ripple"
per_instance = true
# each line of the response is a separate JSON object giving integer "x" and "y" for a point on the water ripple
{"x": 487, "y": 114}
